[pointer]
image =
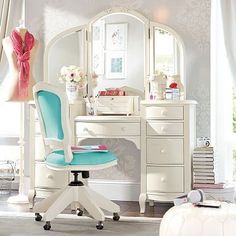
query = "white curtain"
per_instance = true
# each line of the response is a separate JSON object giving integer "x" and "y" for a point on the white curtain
{"x": 223, "y": 52}
{"x": 228, "y": 16}
{"x": 10, "y": 15}
{"x": 4, "y": 8}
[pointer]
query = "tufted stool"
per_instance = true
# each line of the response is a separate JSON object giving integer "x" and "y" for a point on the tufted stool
{"x": 187, "y": 220}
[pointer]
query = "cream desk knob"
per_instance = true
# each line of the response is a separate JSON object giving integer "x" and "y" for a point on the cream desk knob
{"x": 49, "y": 176}
{"x": 163, "y": 128}
{"x": 163, "y": 180}
{"x": 123, "y": 129}
{"x": 85, "y": 130}
{"x": 162, "y": 150}
{"x": 163, "y": 113}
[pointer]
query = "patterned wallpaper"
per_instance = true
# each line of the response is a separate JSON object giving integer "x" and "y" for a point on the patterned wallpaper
{"x": 190, "y": 18}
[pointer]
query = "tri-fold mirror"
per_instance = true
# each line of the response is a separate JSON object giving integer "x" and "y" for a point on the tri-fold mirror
{"x": 121, "y": 46}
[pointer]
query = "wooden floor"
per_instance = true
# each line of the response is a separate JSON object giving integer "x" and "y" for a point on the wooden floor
{"x": 127, "y": 208}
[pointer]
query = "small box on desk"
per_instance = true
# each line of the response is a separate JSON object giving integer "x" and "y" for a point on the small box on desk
{"x": 117, "y": 105}
{"x": 172, "y": 94}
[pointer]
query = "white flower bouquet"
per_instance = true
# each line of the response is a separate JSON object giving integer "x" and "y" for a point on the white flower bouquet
{"x": 73, "y": 74}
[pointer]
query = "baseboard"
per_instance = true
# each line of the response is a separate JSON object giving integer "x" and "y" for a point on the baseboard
{"x": 116, "y": 190}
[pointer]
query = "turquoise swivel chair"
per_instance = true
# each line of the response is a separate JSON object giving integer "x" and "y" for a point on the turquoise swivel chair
{"x": 53, "y": 111}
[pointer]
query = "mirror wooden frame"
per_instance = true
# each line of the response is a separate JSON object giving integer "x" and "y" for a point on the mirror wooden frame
{"x": 58, "y": 37}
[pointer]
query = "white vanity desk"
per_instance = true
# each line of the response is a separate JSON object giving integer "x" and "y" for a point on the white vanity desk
{"x": 164, "y": 131}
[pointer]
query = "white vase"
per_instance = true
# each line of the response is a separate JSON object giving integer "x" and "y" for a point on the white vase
{"x": 72, "y": 91}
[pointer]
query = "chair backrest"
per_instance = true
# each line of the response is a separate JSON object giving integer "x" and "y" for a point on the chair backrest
{"x": 53, "y": 112}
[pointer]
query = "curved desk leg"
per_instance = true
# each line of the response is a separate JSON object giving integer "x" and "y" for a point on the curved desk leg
{"x": 142, "y": 201}
{"x": 31, "y": 197}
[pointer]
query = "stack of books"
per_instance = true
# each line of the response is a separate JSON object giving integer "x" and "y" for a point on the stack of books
{"x": 203, "y": 166}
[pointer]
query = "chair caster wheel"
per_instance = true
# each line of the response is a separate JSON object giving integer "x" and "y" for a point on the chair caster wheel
{"x": 38, "y": 217}
{"x": 79, "y": 212}
{"x": 47, "y": 226}
{"x": 116, "y": 217}
{"x": 99, "y": 225}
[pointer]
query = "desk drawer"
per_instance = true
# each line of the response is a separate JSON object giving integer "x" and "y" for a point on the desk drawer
{"x": 47, "y": 178}
{"x": 165, "y": 113}
{"x": 84, "y": 129}
{"x": 165, "y": 128}
{"x": 111, "y": 100}
{"x": 165, "y": 151}
{"x": 165, "y": 179}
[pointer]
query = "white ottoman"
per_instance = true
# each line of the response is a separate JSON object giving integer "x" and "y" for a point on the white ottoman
{"x": 187, "y": 220}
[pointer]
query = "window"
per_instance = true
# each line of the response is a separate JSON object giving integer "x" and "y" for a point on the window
{"x": 234, "y": 135}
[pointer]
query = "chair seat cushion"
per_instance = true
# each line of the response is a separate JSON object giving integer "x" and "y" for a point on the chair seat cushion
{"x": 57, "y": 159}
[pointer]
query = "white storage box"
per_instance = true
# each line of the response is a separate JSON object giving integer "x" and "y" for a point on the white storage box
{"x": 226, "y": 194}
{"x": 120, "y": 105}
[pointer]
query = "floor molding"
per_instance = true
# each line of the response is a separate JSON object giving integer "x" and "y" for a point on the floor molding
{"x": 118, "y": 190}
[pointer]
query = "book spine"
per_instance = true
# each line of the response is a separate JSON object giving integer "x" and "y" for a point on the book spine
{"x": 203, "y": 177}
{"x": 197, "y": 167}
{"x": 205, "y": 181}
{"x": 197, "y": 174}
{"x": 203, "y": 155}
{"x": 205, "y": 159}
{"x": 203, "y": 170}
{"x": 210, "y": 186}
{"x": 203, "y": 163}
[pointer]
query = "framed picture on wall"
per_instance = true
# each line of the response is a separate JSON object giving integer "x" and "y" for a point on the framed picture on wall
{"x": 116, "y": 36}
{"x": 115, "y": 65}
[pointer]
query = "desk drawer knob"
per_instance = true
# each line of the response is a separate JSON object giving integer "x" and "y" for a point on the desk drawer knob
{"x": 162, "y": 150}
{"x": 85, "y": 130}
{"x": 163, "y": 113}
{"x": 123, "y": 128}
{"x": 163, "y": 128}
{"x": 49, "y": 176}
{"x": 163, "y": 180}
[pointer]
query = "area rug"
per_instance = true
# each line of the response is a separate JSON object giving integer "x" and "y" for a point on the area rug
{"x": 19, "y": 224}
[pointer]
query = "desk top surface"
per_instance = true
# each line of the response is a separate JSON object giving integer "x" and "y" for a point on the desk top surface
{"x": 115, "y": 118}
